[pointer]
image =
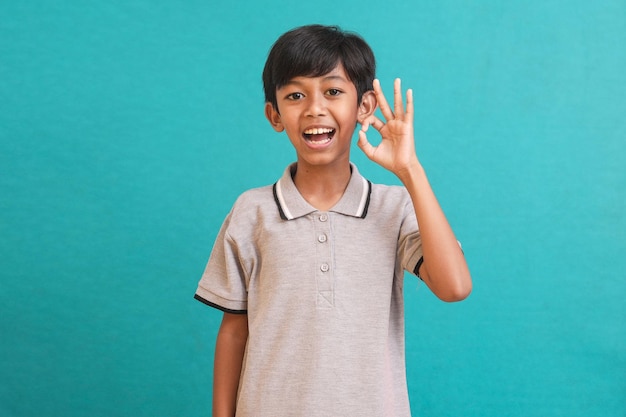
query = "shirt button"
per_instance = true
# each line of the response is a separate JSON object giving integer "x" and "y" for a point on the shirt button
{"x": 323, "y": 217}
{"x": 321, "y": 238}
{"x": 324, "y": 267}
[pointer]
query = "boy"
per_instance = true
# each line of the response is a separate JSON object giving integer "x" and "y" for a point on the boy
{"x": 309, "y": 271}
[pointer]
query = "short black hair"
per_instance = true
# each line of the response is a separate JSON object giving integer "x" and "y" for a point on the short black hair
{"x": 315, "y": 50}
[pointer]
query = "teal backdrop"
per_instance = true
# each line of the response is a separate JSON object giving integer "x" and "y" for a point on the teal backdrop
{"x": 128, "y": 128}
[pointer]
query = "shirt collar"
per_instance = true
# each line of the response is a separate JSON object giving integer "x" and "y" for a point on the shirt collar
{"x": 291, "y": 205}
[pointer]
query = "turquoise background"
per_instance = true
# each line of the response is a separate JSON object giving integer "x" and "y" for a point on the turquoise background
{"x": 128, "y": 128}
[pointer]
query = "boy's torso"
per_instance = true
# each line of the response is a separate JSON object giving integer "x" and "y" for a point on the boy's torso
{"x": 324, "y": 299}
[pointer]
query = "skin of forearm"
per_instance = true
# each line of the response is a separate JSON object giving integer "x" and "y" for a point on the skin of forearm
{"x": 229, "y": 351}
{"x": 444, "y": 270}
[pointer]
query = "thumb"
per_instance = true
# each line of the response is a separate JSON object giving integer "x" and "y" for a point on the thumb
{"x": 365, "y": 145}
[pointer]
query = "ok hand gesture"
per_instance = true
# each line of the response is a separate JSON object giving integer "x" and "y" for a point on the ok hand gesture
{"x": 396, "y": 151}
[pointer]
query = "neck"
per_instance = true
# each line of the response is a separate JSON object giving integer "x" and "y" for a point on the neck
{"x": 322, "y": 187}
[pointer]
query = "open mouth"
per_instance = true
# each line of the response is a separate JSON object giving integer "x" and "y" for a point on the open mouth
{"x": 319, "y": 135}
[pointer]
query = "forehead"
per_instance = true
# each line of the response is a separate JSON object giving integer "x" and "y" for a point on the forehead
{"x": 336, "y": 75}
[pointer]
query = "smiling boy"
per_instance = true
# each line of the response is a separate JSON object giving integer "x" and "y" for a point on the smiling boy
{"x": 309, "y": 271}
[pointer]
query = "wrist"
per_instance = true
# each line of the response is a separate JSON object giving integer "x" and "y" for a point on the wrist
{"x": 412, "y": 173}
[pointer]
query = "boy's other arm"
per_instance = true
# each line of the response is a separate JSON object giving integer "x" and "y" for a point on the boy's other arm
{"x": 229, "y": 350}
{"x": 444, "y": 269}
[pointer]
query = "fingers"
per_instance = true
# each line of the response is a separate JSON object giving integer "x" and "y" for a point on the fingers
{"x": 368, "y": 149}
{"x": 373, "y": 121}
{"x": 382, "y": 101}
{"x": 365, "y": 145}
{"x": 398, "y": 106}
{"x": 409, "y": 104}
{"x": 397, "y": 99}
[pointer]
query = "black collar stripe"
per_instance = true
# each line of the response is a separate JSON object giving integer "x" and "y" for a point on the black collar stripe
{"x": 279, "y": 200}
{"x": 355, "y": 202}
{"x": 365, "y": 199}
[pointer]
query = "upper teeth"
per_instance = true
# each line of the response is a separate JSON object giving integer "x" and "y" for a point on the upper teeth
{"x": 317, "y": 131}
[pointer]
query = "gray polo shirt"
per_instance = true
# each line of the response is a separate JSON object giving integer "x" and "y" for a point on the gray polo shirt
{"x": 323, "y": 294}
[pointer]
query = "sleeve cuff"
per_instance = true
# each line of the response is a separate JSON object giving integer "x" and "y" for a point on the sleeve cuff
{"x": 419, "y": 263}
{"x": 219, "y": 307}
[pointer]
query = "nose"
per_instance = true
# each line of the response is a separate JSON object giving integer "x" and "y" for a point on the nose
{"x": 316, "y": 105}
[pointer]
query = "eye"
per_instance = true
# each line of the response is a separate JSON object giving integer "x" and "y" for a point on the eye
{"x": 295, "y": 96}
{"x": 334, "y": 92}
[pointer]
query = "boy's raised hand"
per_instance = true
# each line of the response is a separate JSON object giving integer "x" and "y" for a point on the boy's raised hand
{"x": 396, "y": 151}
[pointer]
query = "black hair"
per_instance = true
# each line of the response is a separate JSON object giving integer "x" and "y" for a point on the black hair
{"x": 315, "y": 50}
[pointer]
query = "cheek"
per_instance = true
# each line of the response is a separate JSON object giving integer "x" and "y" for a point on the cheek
{"x": 292, "y": 129}
{"x": 348, "y": 117}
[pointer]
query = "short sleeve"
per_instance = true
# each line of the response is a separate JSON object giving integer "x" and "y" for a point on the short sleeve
{"x": 410, "y": 241}
{"x": 223, "y": 283}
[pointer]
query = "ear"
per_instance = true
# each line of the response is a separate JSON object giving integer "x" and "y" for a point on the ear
{"x": 273, "y": 117}
{"x": 368, "y": 106}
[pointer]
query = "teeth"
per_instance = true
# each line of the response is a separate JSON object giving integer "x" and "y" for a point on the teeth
{"x": 317, "y": 131}
{"x": 321, "y": 141}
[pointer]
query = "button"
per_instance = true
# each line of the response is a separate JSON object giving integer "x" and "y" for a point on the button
{"x": 323, "y": 217}
{"x": 324, "y": 267}
{"x": 321, "y": 238}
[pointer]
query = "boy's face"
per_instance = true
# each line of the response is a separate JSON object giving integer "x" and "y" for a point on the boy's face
{"x": 319, "y": 115}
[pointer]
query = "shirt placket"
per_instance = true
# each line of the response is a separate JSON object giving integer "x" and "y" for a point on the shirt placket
{"x": 324, "y": 268}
